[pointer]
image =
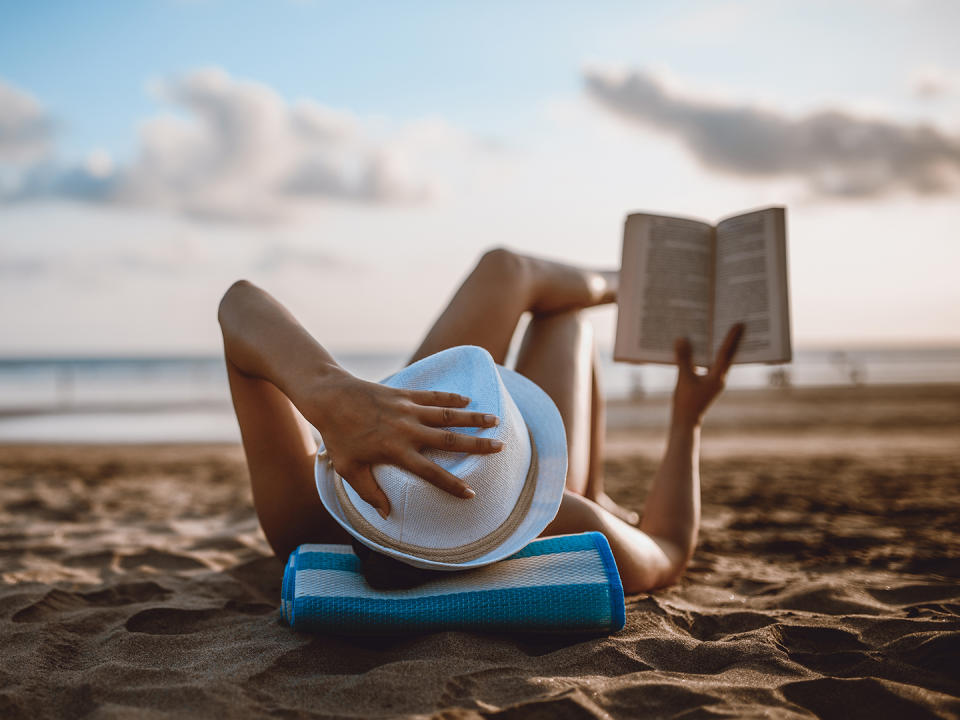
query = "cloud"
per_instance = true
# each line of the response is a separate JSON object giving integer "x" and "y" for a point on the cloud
{"x": 932, "y": 82}
{"x": 21, "y": 267}
{"x": 835, "y": 152}
{"x": 26, "y": 130}
{"x": 236, "y": 151}
{"x": 26, "y": 137}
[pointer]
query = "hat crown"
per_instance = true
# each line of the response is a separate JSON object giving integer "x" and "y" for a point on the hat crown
{"x": 421, "y": 514}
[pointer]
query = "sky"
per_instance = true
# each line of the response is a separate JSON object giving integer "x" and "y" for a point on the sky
{"x": 356, "y": 159}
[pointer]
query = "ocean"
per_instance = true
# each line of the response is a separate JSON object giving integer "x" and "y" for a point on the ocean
{"x": 186, "y": 399}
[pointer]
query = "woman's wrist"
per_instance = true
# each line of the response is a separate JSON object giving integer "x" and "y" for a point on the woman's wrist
{"x": 685, "y": 423}
{"x": 308, "y": 384}
{"x": 683, "y": 439}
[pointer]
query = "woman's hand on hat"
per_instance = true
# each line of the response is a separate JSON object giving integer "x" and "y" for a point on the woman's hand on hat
{"x": 365, "y": 424}
{"x": 695, "y": 392}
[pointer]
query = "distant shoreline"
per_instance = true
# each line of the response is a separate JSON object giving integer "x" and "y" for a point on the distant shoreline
{"x": 27, "y": 358}
{"x": 104, "y": 408}
{"x": 731, "y": 395}
{"x": 745, "y": 420}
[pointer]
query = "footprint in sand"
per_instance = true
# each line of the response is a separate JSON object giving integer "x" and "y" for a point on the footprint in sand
{"x": 174, "y": 621}
{"x": 910, "y": 594}
{"x": 719, "y": 626}
{"x": 161, "y": 560}
{"x": 865, "y": 698}
{"x": 183, "y": 621}
{"x": 933, "y": 651}
{"x": 830, "y": 651}
{"x": 56, "y": 602}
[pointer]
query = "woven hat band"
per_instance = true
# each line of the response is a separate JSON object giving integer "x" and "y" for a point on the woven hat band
{"x": 460, "y": 553}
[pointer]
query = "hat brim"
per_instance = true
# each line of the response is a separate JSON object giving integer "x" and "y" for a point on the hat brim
{"x": 546, "y": 427}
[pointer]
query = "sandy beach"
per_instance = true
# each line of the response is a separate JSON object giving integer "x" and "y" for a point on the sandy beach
{"x": 134, "y": 582}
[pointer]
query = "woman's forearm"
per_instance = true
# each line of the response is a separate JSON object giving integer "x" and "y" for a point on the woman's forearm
{"x": 262, "y": 339}
{"x": 672, "y": 510}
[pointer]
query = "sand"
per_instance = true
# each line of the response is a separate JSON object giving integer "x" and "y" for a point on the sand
{"x": 134, "y": 582}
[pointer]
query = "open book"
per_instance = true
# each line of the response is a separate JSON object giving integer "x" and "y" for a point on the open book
{"x": 685, "y": 278}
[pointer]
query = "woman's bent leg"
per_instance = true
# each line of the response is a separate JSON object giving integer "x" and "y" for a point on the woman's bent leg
{"x": 658, "y": 552}
{"x": 559, "y": 354}
{"x": 596, "y": 485}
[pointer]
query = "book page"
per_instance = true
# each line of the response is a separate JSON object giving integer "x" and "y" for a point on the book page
{"x": 751, "y": 285}
{"x": 665, "y": 288}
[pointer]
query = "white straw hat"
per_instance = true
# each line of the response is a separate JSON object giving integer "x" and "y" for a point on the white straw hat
{"x": 518, "y": 490}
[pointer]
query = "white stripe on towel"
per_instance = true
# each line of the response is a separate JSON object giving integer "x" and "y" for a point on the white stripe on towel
{"x": 332, "y": 549}
{"x": 517, "y": 573}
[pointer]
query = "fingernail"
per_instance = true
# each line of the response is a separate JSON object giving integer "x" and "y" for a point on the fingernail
{"x": 496, "y": 444}
{"x": 383, "y": 513}
{"x": 491, "y": 420}
{"x": 468, "y": 493}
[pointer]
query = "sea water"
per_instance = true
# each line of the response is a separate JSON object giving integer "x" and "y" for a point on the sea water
{"x": 186, "y": 399}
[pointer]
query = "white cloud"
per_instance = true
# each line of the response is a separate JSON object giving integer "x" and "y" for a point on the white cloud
{"x": 932, "y": 82}
{"x": 26, "y": 130}
{"x": 238, "y": 151}
{"x": 26, "y": 138}
{"x": 836, "y": 152}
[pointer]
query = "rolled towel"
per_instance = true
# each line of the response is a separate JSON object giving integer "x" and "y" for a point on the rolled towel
{"x": 563, "y": 584}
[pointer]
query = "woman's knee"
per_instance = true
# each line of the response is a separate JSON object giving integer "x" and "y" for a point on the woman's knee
{"x": 503, "y": 268}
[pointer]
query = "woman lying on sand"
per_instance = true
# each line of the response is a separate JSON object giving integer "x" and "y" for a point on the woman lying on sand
{"x": 283, "y": 381}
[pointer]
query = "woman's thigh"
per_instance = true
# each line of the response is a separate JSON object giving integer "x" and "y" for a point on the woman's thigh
{"x": 557, "y": 354}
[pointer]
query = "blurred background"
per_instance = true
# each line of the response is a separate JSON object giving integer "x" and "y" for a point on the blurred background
{"x": 356, "y": 159}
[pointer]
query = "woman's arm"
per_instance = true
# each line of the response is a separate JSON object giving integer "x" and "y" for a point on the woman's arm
{"x": 362, "y": 423}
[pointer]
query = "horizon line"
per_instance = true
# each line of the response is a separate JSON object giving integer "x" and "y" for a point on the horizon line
{"x": 121, "y": 355}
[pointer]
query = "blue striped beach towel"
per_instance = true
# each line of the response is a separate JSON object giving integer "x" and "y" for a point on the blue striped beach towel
{"x": 567, "y": 583}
